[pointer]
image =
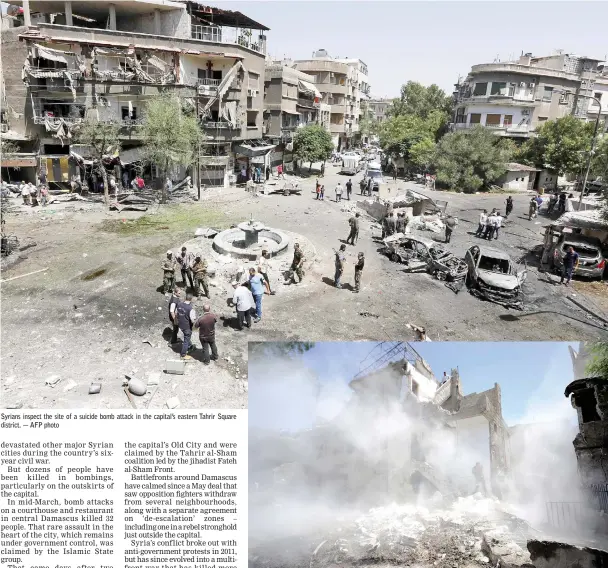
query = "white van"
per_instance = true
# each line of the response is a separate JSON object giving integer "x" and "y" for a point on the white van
{"x": 350, "y": 164}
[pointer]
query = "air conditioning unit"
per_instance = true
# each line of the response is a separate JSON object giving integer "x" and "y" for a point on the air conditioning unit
{"x": 522, "y": 84}
{"x": 3, "y": 127}
{"x": 532, "y": 85}
{"x": 525, "y": 112}
{"x": 252, "y": 92}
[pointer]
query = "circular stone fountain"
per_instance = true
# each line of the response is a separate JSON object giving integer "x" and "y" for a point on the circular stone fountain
{"x": 248, "y": 239}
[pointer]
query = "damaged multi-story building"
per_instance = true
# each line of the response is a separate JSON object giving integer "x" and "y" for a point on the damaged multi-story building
{"x": 66, "y": 61}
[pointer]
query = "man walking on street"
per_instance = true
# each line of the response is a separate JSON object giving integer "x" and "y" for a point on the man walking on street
{"x": 483, "y": 221}
{"x": 206, "y": 333}
{"x": 509, "y": 206}
{"x": 264, "y": 268}
{"x": 490, "y": 227}
{"x": 296, "y": 264}
{"x": 532, "y": 209}
{"x": 199, "y": 270}
{"x": 353, "y": 236}
{"x": 243, "y": 302}
{"x": 185, "y": 263}
{"x": 323, "y": 169}
{"x": 186, "y": 316}
{"x": 339, "y": 190}
{"x": 370, "y": 186}
{"x": 169, "y": 265}
{"x": 358, "y": 271}
{"x": 340, "y": 263}
{"x": 349, "y": 188}
{"x": 497, "y": 224}
{"x": 571, "y": 260}
{"x": 450, "y": 223}
{"x": 258, "y": 286}
{"x": 173, "y": 302}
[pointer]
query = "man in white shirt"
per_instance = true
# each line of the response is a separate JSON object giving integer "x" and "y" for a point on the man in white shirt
{"x": 243, "y": 301}
{"x": 339, "y": 192}
{"x": 490, "y": 226}
{"x": 497, "y": 225}
{"x": 483, "y": 221}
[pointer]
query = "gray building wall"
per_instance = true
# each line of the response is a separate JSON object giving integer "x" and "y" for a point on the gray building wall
{"x": 17, "y": 103}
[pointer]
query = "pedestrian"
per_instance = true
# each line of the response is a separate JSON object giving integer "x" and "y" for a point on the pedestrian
{"x": 185, "y": 264}
{"x": 173, "y": 302}
{"x": 480, "y": 483}
{"x": 349, "y": 188}
{"x": 186, "y": 316}
{"x": 280, "y": 173}
{"x": 552, "y": 203}
{"x": 392, "y": 222}
{"x": 243, "y": 174}
{"x": 242, "y": 300}
{"x": 483, "y": 221}
{"x": 44, "y": 195}
{"x": 322, "y": 193}
{"x": 258, "y": 174}
{"x": 264, "y": 268}
{"x": 339, "y": 190}
{"x": 450, "y": 223}
{"x": 140, "y": 182}
{"x": 340, "y": 264}
{"x": 358, "y": 271}
{"x": 497, "y": 225}
{"x": 125, "y": 179}
{"x": 394, "y": 168}
{"x": 509, "y": 206}
{"x": 168, "y": 186}
{"x": 169, "y": 265}
{"x": 199, "y": 271}
{"x": 353, "y": 236}
{"x": 42, "y": 177}
{"x": 532, "y": 208}
{"x": 267, "y": 173}
{"x": 490, "y": 226}
{"x": 318, "y": 188}
{"x": 370, "y": 186}
{"x": 258, "y": 285}
{"x": 25, "y": 194}
{"x": 562, "y": 203}
{"x": 296, "y": 264}
{"x": 539, "y": 200}
{"x": 570, "y": 264}
{"x": 206, "y": 333}
{"x": 323, "y": 169}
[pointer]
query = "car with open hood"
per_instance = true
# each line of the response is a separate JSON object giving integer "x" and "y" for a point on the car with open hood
{"x": 492, "y": 275}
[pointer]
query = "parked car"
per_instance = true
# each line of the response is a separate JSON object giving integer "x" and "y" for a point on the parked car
{"x": 493, "y": 276}
{"x": 377, "y": 179}
{"x": 591, "y": 259}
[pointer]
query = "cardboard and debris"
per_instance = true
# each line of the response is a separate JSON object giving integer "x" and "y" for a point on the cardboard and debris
{"x": 173, "y": 402}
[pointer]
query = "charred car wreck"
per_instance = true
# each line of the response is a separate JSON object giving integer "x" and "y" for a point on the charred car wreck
{"x": 493, "y": 276}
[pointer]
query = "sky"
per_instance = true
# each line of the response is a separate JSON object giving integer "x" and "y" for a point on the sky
{"x": 429, "y": 42}
{"x": 532, "y": 377}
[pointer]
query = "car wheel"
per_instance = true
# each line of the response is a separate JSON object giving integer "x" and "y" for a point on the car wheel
{"x": 395, "y": 257}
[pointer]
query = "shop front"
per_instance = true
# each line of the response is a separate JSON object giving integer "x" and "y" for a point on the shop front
{"x": 249, "y": 156}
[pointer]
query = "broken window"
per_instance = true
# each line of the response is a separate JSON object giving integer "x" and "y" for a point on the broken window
{"x": 414, "y": 388}
{"x": 498, "y": 89}
{"x": 508, "y": 120}
{"x": 542, "y": 118}
{"x": 124, "y": 112}
{"x": 547, "y": 93}
{"x": 460, "y": 116}
{"x": 492, "y": 120}
{"x": 475, "y": 118}
{"x": 598, "y": 96}
{"x": 480, "y": 89}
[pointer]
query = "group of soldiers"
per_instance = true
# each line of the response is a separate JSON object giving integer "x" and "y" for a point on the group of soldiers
{"x": 341, "y": 265}
{"x": 193, "y": 267}
{"x": 392, "y": 223}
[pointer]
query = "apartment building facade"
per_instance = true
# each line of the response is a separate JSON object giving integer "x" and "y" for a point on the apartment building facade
{"x": 106, "y": 60}
{"x": 379, "y": 108}
{"x": 514, "y": 98}
{"x": 342, "y": 84}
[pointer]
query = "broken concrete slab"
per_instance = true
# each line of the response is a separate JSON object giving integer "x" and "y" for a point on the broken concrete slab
{"x": 173, "y": 402}
{"x": 549, "y": 554}
{"x": 499, "y": 548}
{"x": 95, "y": 388}
{"x": 175, "y": 367}
{"x": 52, "y": 380}
{"x": 205, "y": 232}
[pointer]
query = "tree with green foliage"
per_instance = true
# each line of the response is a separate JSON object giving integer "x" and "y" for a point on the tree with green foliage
{"x": 560, "y": 146}
{"x": 598, "y": 363}
{"x": 418, "y": 100}
{"x": 103, "y": 140}
{"x": 421, "y": 153}
{"x": 367, "y": 122}
{"x": 312, "y": 143}
{"x": 171, "y": 135}
{"x": 599, "y": 162}
{"x": 468, "y": 161}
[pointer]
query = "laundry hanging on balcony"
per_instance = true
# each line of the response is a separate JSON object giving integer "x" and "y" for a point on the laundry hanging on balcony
{"x": 229, "y": 113}
{"x": 58, "y": 127}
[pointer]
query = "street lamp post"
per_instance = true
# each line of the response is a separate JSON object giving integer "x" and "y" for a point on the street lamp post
{"x": 593, "y": 140}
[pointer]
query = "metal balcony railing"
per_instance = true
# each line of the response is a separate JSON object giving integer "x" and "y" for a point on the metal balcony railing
{"x": 54, "y": 120}
{"x": 237, "y": 36}
{"x": 310, "y": 103}
{"x": 208, "y": 82}
{"x": 221, "y": 125}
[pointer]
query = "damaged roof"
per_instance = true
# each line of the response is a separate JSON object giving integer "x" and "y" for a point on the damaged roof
{"x": 220, "y": 17}
{"x": 592, "y": 219}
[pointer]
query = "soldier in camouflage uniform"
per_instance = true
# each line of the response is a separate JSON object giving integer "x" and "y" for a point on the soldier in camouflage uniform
{"x": 199, "y": 269}
{"x": 358, "y": 271}
{"x": 296, "y": 264}
{"x": 169, "y": 265}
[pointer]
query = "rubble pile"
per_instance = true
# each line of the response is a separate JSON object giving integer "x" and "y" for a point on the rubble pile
{"x": 431, "y": 223}
{"x": 469, "y": 534}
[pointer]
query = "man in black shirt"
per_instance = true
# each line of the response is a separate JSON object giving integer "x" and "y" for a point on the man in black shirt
{"x": 358, "y": 271}
{"x": 349, "y": 189}
{"x": 206, "y": 333}
{"x": 570, "y": 265}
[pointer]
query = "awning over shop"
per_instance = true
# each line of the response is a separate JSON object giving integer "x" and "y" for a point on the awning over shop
{"x": 286, "y": 111}
{"x": 309, "y": 89}
{"x": 252, "y": 150}
{"x": 19, "y": 162}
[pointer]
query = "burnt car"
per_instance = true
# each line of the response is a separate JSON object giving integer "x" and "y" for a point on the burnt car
{"x": 492, "y": 275}
{"x": 420, "y": 252}
{"x": 591, "y": 262}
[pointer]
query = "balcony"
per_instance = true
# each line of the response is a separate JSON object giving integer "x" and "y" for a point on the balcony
{"x": 308, "y": 103}
{"x": 516, "y": 99}
{"x": 504, "y": 130}
{"x": 56, "y": 120}
{"x": 207, "y": 87}
{"x": 235, "y": 36}
{"x": 221, "y": 125}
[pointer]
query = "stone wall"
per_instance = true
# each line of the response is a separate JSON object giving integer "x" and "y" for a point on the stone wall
{"x": 14, "y": 53}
